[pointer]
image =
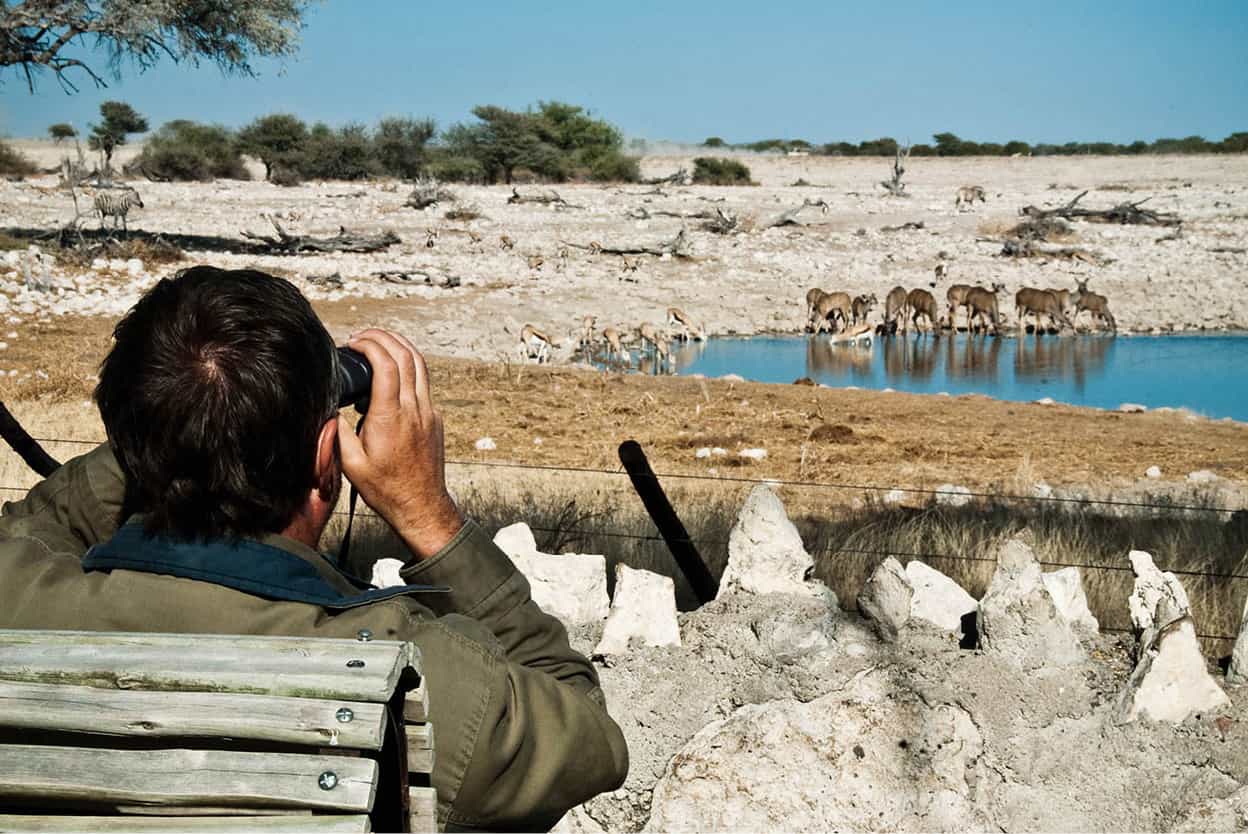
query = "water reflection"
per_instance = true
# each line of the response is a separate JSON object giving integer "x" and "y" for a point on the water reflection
{"x": 824, "y": 358}
{"x": 975, "y": 357}
{"x": 1042, "y": 358}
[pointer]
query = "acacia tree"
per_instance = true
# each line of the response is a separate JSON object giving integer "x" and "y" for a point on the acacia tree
{"x": 119, "y": 120}
{"x": 56, "y": 35}
{"x": 62, "y": 131}
{"x": 279, "y": 139}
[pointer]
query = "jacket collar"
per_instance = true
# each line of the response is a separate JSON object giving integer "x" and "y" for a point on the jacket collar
{"x": 274, "y": 567}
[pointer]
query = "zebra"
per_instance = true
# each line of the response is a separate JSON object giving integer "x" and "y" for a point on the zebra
{"x": 117, "y": 206}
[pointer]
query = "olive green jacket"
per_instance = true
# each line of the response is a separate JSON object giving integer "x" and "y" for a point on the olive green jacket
{"x": 522, "y": 728}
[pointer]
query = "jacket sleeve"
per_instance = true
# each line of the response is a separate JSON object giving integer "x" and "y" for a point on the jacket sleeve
{"x": 546, "y": 742}
{"x": 81, "y": 500}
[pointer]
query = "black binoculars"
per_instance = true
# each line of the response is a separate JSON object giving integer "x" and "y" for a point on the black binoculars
{"x": 355, "y": 379}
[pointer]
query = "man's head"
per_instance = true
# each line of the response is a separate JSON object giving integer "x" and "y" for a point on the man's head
{"x": 217, "y": 397}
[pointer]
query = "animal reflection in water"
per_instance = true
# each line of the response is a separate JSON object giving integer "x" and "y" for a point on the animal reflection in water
{"x": 1040, "y": 358}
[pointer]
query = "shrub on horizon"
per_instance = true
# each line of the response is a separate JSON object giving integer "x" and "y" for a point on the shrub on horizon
{"x": 711, "y": 170}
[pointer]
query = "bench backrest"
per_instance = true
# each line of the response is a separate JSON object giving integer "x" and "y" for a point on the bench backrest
{"x": 125, "y": 731}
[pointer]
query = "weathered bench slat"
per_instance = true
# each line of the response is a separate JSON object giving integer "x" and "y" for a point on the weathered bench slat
{"x": 84, "y": 709}
{"x": 423, "y": 809}
{"x": 419, "y": 748}
{"x": 192, "y": 825}
{"x": 185, "y": 777}
{"x": 293, "y": 666}
{"x": 416, "y": 704}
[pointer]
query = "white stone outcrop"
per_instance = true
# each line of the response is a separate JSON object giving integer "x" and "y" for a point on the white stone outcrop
{"x": 1066, "y": 588}
{"x": 937, "y": 599}
{"x": 1216, "y": 815}
{"x": 386, "y": 573}
{"x": 885, "y": 599}
{"x": 765, "y": 552}
{"x": 952, "y": 495}
{"x": 1171, "y": 682}
{"x": 832, "y": 764}
{"x": 1158, "y": 597}
{"x": 569, "y": 586}
{"x": 1018, "y": 619}
{"x": 644, "y": 608}
{"x": 1237, "y": 672}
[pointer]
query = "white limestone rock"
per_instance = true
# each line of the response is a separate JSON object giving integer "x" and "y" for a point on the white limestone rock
{"x": 1018, "y": 619}
{"x": 1216, "y": 815}
{"x": 753, "y": 454}
{"x": 1132, "y": 408}
{"x": 644, "y": 607}
{"x": 1153, "y": 472}
{"x": 1171, "y": 682}
{"x": 485, "y": 444}
{"x": 386, "y": 573}
{"x": 569, "y": 586}
{"x": 833, "y": 764}
{"x": 885, "y": 599}
{"x": 1237, "y": 672}
{"x": 937, "y": 599}
{"x": 952, "y": 495}
{"x": 1201, "y": 476}
{"x": 1158, "y": 598}
{"x": 1066, "y": 588}
{"x": 765, "y": 552}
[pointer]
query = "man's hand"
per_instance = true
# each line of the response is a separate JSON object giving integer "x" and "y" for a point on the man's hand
{"x": 398, "y": 461}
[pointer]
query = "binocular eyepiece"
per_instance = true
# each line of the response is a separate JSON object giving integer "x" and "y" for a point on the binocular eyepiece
{"x": 355, "y": 379}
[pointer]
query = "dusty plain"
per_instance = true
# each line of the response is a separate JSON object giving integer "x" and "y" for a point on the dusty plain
{"x": 58, "y": 317}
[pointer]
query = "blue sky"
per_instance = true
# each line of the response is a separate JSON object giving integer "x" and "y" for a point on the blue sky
{"x": 1053, "y": 71}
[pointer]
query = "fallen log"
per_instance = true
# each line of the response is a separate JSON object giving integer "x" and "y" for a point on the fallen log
{"x": 677, "y": 247}
{"x": 680, "y": 177}
{"x": 1016, "y": 248}
{"x": 418, "y": 276}
{"x": 288, "y": 244}
{"x": 1123, "y": 214}
{"x": 910, "y": 226}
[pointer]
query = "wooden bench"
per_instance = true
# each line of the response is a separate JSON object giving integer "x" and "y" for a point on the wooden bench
{"x": 109, "y": 731}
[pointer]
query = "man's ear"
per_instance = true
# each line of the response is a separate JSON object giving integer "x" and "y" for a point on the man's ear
{"x": 327, "y": 467}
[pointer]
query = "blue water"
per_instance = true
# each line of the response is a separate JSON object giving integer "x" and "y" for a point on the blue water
{"x": 1205, "y": 373}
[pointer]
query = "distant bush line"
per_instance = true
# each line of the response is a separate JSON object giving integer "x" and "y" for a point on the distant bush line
{"x": 948, "y": 144}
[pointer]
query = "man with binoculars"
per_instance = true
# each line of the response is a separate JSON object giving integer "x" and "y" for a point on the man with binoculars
{"x": 203, "y": 513}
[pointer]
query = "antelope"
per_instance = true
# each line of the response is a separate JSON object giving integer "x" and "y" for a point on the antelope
{"x": 894, "y": 304}
{"x": 831, "y": 305}
{"x": 535, "y": 262}
{"x": 587, "y": 332}
{"x": 614, "y": 348}
{"x": 941, "y": 271}
{"x": 955, "y": 296}
{"x": 563, "y": 255}
{"x": 920, "y": 302}
{"x": 595, "y": 248}
{"x": 431, "y": 237}
{"x": 859, "y": 333}
{"x": 862, "y": 307}
{"x": 649, "y": 334}
{"x": 1038, "y": 303}
{"x": 1063, "y": 298}
{"x": 1097, "y": 305}
{"x": 505, "y": 243}
{"x": 980, "y": 303}
{"x": 688, "y": 330}
{"x": 475, "y": 237}
{"x": 969, "y": 194}
{"x": 812, "y": 301}
{"x": 629, "y": 264}
{"x": 535, "y": 344}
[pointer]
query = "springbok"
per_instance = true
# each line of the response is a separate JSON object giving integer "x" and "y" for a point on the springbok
{"x": 688, "y": 330}
{"x": 1097, "y": 305}
{"x": 431, "y": 238}
{"x": 941, "y": 271}
{"x": 587, "y": 332}
{"x": 969, "y": 194}
{"x": 535, "y": 262}
{"x": 505, "y": 242}
{"x": 612, "y": 337}
{"x": 858, "y": 334}
{"x": 534, "y": 344}
{"x": 982, "y": 303}
{"x": 1030, "y": 300}
{"x": 648, "y": 333}
{"x": 955, "y": 296}
{"x": 920, "y": 302}
{"x": 831, "y": 305}
{"x": 628, "y": 264}
{"x": 862, "y": 307}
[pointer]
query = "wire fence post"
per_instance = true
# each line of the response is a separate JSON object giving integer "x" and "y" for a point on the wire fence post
{"x": 670, "y": 527}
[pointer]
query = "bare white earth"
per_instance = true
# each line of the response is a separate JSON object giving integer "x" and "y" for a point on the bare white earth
{"x": 746, "y": 283}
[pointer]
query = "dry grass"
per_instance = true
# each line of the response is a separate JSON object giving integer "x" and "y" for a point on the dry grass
{"x": 152, "y": 251}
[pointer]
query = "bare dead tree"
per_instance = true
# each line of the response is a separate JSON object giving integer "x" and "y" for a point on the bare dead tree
{"x": 1127, "y": 214}
{"x": 895, "y": 187}
{"x": 288, "y": 244}
{"x": 677, "y": 247}
{"x": 428, "y": 192}
{"x": 680, "y": 177}
{"x": 724, "y": 222}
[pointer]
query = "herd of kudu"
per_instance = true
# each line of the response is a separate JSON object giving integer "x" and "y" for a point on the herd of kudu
{"x": 846, "y": 318}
